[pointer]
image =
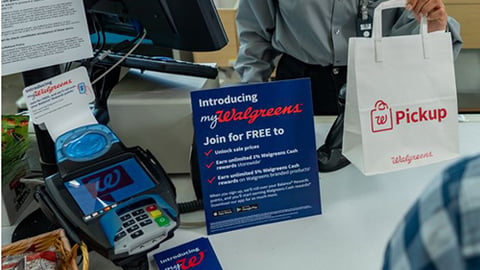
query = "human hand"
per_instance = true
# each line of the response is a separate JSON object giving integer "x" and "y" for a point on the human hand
{"x": 434, "y": 10}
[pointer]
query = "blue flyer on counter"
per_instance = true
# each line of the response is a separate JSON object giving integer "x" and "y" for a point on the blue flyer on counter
{"x": 257, "y": 154}
{"x": 196, "y": 255}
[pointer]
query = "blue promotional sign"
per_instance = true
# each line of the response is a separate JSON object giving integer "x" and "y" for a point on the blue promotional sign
{"x": 257, "y": 153}
{"x": 194, "y": 255}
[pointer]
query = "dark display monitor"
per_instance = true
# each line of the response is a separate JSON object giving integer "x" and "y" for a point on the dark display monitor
{"x": 190, "y": 25}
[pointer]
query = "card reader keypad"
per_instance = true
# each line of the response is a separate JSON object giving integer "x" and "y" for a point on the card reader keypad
{"x": 142, "y": 226}
{"x": 140, "y": 218}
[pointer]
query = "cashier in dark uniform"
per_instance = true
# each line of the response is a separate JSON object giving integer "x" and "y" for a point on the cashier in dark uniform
{"x": 311, "y": 37}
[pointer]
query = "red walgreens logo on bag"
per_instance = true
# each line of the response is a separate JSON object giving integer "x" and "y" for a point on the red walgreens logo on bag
{"x": 382, "y": 116}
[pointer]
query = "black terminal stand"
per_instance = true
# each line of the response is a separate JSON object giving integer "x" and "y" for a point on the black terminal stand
{"x": 45, "y": 142}
{"x": 42, "y": 219}
{"x": 41, "y": 223}
{"x": 103, "y": 88}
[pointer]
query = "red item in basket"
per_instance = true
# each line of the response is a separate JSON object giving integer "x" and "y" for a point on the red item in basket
{"x": 46, "y": 260}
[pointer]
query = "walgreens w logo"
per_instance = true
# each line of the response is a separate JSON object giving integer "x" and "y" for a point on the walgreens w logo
{"x": 382, "y": 116}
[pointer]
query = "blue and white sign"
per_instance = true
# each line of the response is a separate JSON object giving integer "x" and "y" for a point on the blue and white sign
{"x": 257, "y": 153}
{"x": 195, "y": 255}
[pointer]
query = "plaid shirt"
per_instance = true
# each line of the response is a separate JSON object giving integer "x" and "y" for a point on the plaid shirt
{"x": 442, "y": 229}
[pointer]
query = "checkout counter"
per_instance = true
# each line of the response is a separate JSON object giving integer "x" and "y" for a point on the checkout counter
{"x": 359, "y": 213}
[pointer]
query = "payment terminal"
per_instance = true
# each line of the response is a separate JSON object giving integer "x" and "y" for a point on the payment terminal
{"x": 118, "y": 200}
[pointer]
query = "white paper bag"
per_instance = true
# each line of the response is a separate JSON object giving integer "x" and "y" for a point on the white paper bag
{"x": 401, "y": 106}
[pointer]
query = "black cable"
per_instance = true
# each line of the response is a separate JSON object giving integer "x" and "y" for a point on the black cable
{"x": 99, "y": 92}
{"x": 94, "y": 23}
{"x": 144, "y": 34}
{"x": 192, "y": 206}
{"x": 102, "y": 32}
{"x": 126, "y": 45}
{"x": 81, "y": 259}
{"x": 67, "y": 66}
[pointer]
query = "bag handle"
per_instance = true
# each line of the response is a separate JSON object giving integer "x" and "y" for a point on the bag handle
{"x": 377, "y": 34}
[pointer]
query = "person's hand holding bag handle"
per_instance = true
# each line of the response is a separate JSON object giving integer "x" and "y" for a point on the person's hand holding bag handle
{"x": 433, "y": 10}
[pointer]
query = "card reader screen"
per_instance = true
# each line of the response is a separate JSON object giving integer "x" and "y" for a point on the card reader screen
{"x": 98, "y": 192}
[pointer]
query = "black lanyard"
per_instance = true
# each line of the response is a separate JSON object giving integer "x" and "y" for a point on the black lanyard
{"x": 364, "y": 20}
